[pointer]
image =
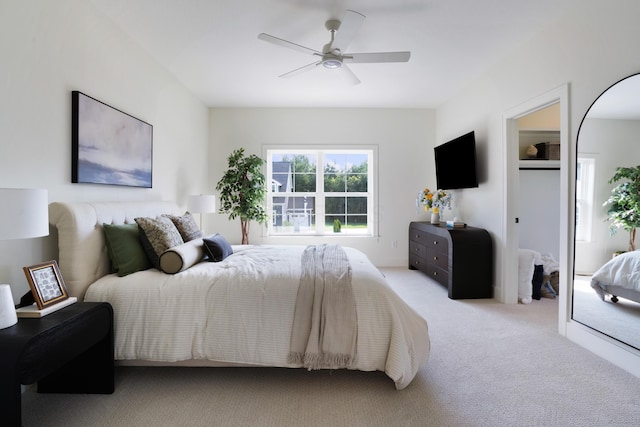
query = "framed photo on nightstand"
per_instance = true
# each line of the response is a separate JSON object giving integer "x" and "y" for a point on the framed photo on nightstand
{"x": 46, "y": 283}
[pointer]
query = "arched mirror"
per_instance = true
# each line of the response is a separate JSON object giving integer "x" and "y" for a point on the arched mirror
{"x": 606, "y": 291}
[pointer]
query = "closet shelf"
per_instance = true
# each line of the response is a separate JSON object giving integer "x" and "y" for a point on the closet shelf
{"x": 539, "y": 164}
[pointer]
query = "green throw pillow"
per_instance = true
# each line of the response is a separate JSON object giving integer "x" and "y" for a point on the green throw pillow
{"x": 125, "y": 249}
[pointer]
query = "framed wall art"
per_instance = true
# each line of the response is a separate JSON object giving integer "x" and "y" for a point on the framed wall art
{"x": 46, "y": 283}
{"x": 109, "y": 146}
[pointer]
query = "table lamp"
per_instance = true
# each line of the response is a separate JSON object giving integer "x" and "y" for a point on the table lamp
{"x": 24, "y": 215}
{"x": 201, "y": 204}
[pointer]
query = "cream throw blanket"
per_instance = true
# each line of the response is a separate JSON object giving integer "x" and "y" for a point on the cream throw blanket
{"x": 325, "y": 327}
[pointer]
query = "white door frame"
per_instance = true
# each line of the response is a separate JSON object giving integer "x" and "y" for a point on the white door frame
{"x": 509, "y": 291}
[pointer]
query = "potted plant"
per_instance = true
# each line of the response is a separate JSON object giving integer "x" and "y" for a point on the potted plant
{"x": 624, "y": 203}
{"x": 337, "y": 226}
{"x": 243, "y": 191}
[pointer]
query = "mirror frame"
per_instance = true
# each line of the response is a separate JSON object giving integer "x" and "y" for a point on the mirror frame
{"x": 575, "y": 177}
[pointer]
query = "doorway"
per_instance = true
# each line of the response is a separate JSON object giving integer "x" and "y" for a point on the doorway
{"x": 509, "y": 292}
{"x": 539, "y": 182}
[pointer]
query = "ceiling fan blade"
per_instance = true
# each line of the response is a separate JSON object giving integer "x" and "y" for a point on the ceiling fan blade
{"x": 377, "y": 57}
{"x": 301, "y": 70}
{"x": 349, "y": 75}
{"x": 288, "y": 44}
{"x": 349, "y": 26}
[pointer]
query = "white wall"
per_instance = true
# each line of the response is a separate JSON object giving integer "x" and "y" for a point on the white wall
{"x": 612, "y": 143}
{"x": 48, "y": 49}
{"x": 539, "y": 211}
{"x": 405, "y": 140}
{"x": 590, "y": 49}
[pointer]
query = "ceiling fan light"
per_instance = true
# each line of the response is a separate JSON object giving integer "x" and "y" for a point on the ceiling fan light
{"x": 332, "y": 63}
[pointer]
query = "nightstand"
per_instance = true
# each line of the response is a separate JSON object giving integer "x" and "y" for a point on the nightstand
{"x": 68, "y": 351}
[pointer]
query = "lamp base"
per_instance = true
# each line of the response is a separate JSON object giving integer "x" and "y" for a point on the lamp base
{"x": 7, "y": 309}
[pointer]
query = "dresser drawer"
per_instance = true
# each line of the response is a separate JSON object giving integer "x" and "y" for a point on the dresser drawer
{"x": 417, "y": 262}
{"x": 418, "y": 249}
{"x": 438, "y": 274}
{"x": 440, "y": 259}
{"x": 417, "y": 235}
{"x": 437, "y": 243}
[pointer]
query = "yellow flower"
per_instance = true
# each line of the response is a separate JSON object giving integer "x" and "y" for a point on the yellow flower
{"x": 434, "y": 200}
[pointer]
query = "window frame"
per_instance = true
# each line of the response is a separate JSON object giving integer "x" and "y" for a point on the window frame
{"x": 319, "y": 151}
{"x": 585, "y": 186}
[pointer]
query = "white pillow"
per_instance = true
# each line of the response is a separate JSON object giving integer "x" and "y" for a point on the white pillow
{"x": 181, "y": 257}
{"x": 526, "y": 265}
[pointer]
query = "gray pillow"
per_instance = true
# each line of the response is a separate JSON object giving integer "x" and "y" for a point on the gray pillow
{"x": 186, "y": 225}
{"x": 157, "y": 235}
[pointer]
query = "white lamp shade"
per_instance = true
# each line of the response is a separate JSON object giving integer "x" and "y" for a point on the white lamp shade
{"x": 8, "y": 316}
{"x": 24, "y": 213}
{"x": 202, "y": 203}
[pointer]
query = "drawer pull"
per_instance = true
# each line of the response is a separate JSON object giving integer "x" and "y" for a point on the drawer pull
{"x": 435, "y": 242}
{"x": 435, "y": 273}
{"x": 435, "y": 258}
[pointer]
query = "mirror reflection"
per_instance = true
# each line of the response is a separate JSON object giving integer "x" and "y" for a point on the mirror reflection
{"x": 606, "y": 291}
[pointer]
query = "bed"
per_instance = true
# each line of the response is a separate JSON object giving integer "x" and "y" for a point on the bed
{"x": 236, "y": 312}
{"x": 619, "y": 277}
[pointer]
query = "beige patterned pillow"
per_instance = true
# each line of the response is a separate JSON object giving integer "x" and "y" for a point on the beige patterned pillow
{"x": 157, "y": 235}
{"x": 186, "y": 226}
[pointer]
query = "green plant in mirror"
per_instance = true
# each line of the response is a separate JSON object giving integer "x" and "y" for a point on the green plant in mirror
{"x": 243, "y": 191}
{"x": 623, "y": 206}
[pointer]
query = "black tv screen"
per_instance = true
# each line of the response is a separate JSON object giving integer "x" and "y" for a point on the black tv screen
{"x": 456, "y": 163}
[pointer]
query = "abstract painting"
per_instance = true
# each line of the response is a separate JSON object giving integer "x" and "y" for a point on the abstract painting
{"x": 109, "y": 146}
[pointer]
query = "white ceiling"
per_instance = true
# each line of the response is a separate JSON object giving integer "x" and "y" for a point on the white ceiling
{"x": 211, "y": 46}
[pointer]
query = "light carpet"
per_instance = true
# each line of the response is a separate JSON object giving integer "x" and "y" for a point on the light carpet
{"x": 490, "y": 365}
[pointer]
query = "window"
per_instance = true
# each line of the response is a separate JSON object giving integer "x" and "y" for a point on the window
{"x": 313, "y": 190}
{"x": 585, "y": 182}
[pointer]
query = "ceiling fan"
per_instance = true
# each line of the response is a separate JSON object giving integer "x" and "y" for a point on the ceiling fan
{"x": 333, "y": 54}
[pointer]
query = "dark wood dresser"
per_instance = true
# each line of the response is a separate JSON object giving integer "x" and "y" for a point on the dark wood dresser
{"x": 461, "y": 259}
{"x": 69, "y": 351}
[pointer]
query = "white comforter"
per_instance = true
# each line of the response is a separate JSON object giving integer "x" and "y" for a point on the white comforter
{"x": 240, "y": 311}
{"x": 622, "y": 270}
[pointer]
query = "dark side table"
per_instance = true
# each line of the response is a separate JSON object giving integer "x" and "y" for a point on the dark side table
{"x": 68, "y": 351}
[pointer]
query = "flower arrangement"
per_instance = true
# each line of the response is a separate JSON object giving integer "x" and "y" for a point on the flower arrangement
{"x": 434, "y": 200}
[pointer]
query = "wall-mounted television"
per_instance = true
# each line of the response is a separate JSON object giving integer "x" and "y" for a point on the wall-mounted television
{"x": 456, "y": 163}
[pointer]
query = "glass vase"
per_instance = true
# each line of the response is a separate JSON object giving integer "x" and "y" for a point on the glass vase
{"x": 435, "y": 217}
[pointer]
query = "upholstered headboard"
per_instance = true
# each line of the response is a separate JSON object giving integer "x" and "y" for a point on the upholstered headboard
{"x": 82, "y": 254}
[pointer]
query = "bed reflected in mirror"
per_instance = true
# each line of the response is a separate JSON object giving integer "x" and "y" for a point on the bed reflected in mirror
{"x": 606, "y": 288}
